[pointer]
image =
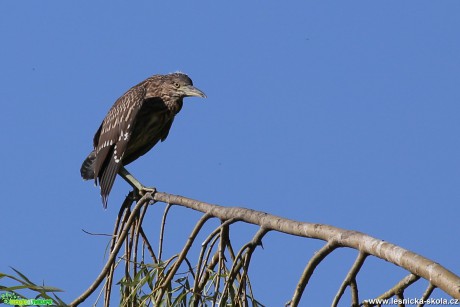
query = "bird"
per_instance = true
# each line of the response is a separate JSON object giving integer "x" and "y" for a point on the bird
{"x": 136, "y": 122}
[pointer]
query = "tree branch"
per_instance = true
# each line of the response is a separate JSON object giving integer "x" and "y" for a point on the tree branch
{"x": 351, "y": 277}
{"x": 398, "y": 289}
{"x": 182, "y": 256}
{"x": 418, "y": 265}
{"x": 146, "y": 198}
{"x": 309, "y": 269}
{"x": 427, "y": 294}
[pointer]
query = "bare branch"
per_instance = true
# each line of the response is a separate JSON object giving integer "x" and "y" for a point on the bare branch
{"x": 398, "y": 289}
{"x": 149, "y": 246}
{"x": 351, "y": 277}
{"x": 419, "y": 265}
{"x": 146, "y": 198}
{"x": 236, "y": 282}
{"x": 182, "y": 255}
{"x": 120, "y": 221}
{"x": 309, "y": 269}
{"x": 96, "y": 234}
{"x": 239, "y": 262}
{"x": 162, "y": 231}
{"x": 202, "y": 263}
{"x": 224, "y": 241}
{"x": 136, "y": 234}
{"x": 354, "y": 293}
{"x": 427, "y": 294}
{"x": 256, "y": 241}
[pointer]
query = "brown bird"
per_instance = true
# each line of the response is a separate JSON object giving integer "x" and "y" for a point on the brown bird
{"x": 135, "y": 123}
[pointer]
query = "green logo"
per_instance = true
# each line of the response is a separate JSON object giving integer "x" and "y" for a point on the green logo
{"x": 12, "y": 299}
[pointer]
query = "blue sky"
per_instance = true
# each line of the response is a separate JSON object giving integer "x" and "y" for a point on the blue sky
{"x": 344, "y": 113}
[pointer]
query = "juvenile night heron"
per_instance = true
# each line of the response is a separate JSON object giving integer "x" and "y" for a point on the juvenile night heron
{"x": 135, "y": 123}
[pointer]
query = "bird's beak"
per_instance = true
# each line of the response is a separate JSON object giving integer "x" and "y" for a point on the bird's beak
{"x": 191, "y": 91}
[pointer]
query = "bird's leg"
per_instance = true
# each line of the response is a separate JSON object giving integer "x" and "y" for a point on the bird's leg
{"x": 123, "y": 172}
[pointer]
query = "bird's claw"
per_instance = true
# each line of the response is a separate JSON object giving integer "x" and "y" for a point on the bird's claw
{"x": 145, "y": 190}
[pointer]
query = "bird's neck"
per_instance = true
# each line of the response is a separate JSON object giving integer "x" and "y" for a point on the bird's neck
{"x": 174, "y": 105}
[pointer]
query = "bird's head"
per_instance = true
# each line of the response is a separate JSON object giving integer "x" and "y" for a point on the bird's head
{"x": 179, "y": 85}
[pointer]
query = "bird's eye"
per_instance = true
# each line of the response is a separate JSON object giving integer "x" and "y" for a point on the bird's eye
{"x": 176, "y": 84}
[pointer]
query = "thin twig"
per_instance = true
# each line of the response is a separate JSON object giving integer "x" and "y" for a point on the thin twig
{"x": 224, "y": 240}
{"x": 400, "y": 286}
{"x": 400, "y": 297}
{"x": 128, "y": 248}
{"x": 200, "y": 263}
{"x": 105, "y": 287}
{"x": 354, "y": 293}
{"x": 429, "y": 290}
{"x": 129, "y": 243}
{"x": 351, "y": 276}
{"x": 210, "y": 268}
{"x": 121, "y": 219}
{"x": 96, "y": 234}
{"x": 309, "y": 269}
{"x": 234, "y": 271}
{"x": 239, "y": 261}
{"x": 257, "y": 240}
{"x": 190, "y": 268}
{"x": 251, "y": 293}
{"x": 241, "y": 292}
{"x": 181, "y": 257}
{"x": 232, "y": 253}
{"x": 146, "y": 198}
{"x": 162, "y": 230}
{"x": 207, "y": 266}
{"x": 164, "y": 266}
{"x": 397, "y": 289}
{"x": 136, "y": 236}
{"x": 149, "y": 246}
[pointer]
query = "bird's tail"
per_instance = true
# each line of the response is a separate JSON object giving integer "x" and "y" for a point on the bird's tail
{"x": 87, "y": 168}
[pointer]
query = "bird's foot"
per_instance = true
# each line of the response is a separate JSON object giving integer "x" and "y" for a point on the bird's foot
{"x": 145, "y": 190}
{"x": 139, "y": 189}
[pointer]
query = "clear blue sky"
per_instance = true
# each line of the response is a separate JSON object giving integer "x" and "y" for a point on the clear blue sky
{"x": 337, "y": 112}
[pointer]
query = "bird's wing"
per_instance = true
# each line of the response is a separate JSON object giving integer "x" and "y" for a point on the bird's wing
{"x": 165, "y": 131}
{"x": 138, "y": 151}
{"x": 113, "y": 138}
{"x": 151, "y": 122}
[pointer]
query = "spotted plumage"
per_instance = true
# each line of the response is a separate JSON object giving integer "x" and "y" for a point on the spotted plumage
{"x": 135, "y": 123}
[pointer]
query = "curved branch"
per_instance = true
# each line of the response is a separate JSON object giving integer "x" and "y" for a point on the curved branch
{"x": 162, "y": 231}
{"x": 351, "y": 277}
{"x": 399, "y": 288}
{"x": 245, "y": 252}
{"x": 309, "y": 269}
{"x": 427, "y": 294}
{"x": 414, "y": 263}
{"x": 181, "y": 257}
{"x": 113, "y": 254}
